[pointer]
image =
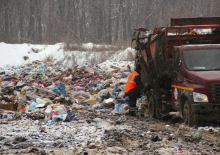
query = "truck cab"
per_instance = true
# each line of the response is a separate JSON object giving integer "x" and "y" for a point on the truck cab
{"x": 196, "y": 86}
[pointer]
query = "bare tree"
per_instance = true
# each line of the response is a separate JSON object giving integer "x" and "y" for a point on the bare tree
{"x": 97, "y": 21}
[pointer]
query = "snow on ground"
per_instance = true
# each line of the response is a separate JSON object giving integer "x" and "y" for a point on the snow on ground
{"x": 13, "y": 54}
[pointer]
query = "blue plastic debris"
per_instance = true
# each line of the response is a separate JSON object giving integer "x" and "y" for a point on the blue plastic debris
{"x": 60, "y": 90}
{"x": 42, "y": 70}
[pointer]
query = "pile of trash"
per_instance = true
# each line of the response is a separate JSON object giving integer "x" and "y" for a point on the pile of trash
{"x": 43, "y": 90}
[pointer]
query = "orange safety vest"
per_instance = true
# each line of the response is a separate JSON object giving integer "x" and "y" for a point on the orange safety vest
{"x": 131, "y": 83}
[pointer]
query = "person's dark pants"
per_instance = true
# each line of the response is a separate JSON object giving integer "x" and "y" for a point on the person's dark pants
{"x": 133, "y": 95}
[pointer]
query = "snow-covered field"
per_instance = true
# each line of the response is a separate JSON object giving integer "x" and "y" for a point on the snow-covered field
{"x": 13, "y": 54}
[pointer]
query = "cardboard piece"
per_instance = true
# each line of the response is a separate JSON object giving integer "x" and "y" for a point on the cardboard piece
{"x": 92, "y": 100}
{"x": 54, "y": 106}
{"x": 80, "y": 98}
{"x": 88, "y": 69}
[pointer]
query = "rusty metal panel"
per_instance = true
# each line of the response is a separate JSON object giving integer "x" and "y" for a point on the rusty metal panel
{"x": 195, "y": 21}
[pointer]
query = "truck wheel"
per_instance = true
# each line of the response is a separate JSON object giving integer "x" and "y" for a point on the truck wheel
{"x": 151, "y": 107}
{"x": 189, "y": 117}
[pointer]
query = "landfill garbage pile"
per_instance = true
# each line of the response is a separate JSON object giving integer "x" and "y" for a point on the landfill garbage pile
{"x": 82, "y": 110}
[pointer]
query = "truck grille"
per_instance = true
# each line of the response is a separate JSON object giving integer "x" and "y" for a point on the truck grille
{"x": 215, "y": 91}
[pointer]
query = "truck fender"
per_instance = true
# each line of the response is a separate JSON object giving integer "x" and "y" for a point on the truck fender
{"x": 186, "y": 95}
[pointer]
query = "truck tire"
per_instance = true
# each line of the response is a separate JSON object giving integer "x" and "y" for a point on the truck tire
{"x": 151, "y": 107}
{"x": 189, "y": 117}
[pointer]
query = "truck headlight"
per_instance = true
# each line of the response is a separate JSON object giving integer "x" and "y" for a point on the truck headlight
{"x": 198, "y": 97}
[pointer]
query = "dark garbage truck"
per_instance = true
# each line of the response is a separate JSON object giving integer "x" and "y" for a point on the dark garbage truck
{"x": 181, "y": 68}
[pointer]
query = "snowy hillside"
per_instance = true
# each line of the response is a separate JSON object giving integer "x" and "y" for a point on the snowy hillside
{"x": 15, "y": 54}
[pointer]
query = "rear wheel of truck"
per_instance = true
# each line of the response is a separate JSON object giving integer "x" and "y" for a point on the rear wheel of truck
{"x": 189, "y": 117}
{"x": 151, "y": 107}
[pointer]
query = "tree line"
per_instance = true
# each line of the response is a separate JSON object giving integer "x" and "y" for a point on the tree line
{"x": 97, "y": 21}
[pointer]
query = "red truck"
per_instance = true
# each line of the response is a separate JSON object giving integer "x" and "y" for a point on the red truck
{"x": 181, "y": 68}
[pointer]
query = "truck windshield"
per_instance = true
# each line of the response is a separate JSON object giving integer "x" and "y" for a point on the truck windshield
{"x": 202, "y": 59}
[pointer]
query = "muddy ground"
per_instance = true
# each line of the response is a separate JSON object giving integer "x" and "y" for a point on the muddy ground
{"x": 134, "y": 135}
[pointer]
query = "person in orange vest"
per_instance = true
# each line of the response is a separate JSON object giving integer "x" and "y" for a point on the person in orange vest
{"x": 133, "y": 89}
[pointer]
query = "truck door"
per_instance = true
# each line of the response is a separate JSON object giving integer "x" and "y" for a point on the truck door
{"x": 176, "y": 83}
